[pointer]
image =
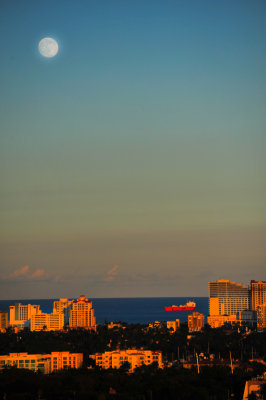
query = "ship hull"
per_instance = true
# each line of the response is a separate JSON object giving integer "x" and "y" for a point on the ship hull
{"x": 179, "y": 308}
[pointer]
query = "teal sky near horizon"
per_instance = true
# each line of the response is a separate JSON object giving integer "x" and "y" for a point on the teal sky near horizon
{"x": 132, "y": 163}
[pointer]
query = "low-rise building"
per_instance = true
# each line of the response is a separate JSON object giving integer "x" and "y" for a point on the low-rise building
{"x": 195, "y": 322}
{"x": 173, "y": 325}
{"x": 35, "y": 362}
{"x": 3, "y": 321}
{"x": 216, "y": 321}
{"x": 48, "y": 322}
{"x": 254, "y": 386}
{"x": 135, "y": 358}
{"x": 155, "y": 325}
{"x": 113, "y": 325}
{"x": 45, "y": 363}
{"x": 65, "y": 359}
{"x": 248, "y": 318}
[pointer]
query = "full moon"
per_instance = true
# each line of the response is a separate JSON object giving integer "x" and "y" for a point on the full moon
{"x": 48, "y": 47}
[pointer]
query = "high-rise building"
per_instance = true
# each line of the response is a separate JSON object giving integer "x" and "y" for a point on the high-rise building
{"x": 82, "y": 314}
{"x": 21, "y": 313}
{"x": 63, "y": 306}
{"x": 227, "y": 298}
{"x": 135, "y": 358}
{"x": 195, "y": 322}
{"x": 3, "y": 321}
{"x": 47, "y": 322}
{"x": 261, "y": 317}
{"x": 258, "y": 293}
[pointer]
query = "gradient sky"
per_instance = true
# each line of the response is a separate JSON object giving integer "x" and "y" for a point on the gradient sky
{"x": 133, "y": 163}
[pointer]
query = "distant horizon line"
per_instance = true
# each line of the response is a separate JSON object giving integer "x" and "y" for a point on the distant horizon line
{"x": 119, "y": 297}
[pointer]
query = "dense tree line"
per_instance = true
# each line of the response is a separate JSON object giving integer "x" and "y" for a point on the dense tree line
{"x": 146, "y": 383}
{"x": 219, "y": 342}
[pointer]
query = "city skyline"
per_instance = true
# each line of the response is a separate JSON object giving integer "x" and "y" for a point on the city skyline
{"x": 133, "y": 162}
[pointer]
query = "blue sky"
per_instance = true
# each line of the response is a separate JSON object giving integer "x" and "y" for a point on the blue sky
{"x": 141, "y": 145}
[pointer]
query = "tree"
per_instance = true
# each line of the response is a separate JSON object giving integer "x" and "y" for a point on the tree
{"x": 252, "y": 396}
{"x": 125, "y": 366}
{"x": 263, "y": 391}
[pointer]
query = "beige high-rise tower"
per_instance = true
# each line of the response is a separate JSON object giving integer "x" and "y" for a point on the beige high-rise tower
{"x": 82, "y": 314}
{"x": 227, "y": 298}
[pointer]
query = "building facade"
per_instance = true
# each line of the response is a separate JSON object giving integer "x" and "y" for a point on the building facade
{"x": 248, "y": 318}
{"x": 195, "y": 322}
{"x": 3, "y": 321}
{"x": 46, "y": 363}
{"x": 258, "y": 293}
{"x": 47, "y": 322}
{"x": 258, "y": 302}
{"x": 135, "y": 358}
{"x": 65, "y": 359}
{"x": 63, "y": 306}
{"x": 261, "y": 317}
{"x": 173, "y": 325}
{"x": 82, "y": 314}
{"x": 20, "y": 314}
{"x": 254, "y": 386}
{"x": 227, "y": 298}
{"x": 34, "y": 362}
{"x": 216, "y": 321}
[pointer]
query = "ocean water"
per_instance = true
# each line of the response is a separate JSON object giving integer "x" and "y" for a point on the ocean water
{"x": 132, "y": 310}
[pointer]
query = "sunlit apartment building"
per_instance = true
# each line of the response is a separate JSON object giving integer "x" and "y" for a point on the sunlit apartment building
{"x": 258, "y": 302}
{"x": 254, "y": 387}
{"x": 65, "y": 359}
{"x": 46, "y": 363}
{"x": 3, "y": 321}
{"x": 258, "y": 293}
{"x": 195, "y": 322}
{"x": 216, "y": 321}
{"x": 20, "y": 314}
{"x": 173, "y": 325}
{"x": 135, "y": 358}
{"x": 35, "y": 362}
{"x": 82, "y": 314}
{"x": 227, "y": 298}
{"x": 261, "y": 317}
{"x": 47, "y": 322}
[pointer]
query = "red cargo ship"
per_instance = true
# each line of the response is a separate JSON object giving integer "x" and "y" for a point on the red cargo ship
{"x": 190, "y": 306}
